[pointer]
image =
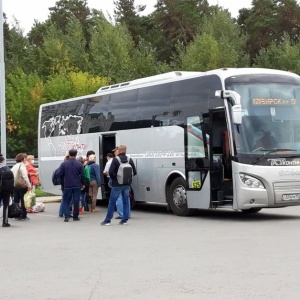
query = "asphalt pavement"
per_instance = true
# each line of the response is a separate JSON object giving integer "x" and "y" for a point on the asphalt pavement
{"x": 212, "y": 255}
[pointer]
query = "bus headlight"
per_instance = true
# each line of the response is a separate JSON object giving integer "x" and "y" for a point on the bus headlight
{"x": 251, "y": 182}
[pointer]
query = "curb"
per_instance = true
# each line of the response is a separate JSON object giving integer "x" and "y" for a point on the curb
{"x": 42, "y": 199}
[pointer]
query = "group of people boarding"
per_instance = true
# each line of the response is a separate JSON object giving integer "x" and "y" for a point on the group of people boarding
{"x": 81, "y": 178}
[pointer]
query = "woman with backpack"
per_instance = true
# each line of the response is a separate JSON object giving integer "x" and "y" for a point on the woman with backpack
{"x": 7, "y": 187}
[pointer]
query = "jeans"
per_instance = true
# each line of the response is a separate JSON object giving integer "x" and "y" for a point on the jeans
{"x": 120, "y": 207}
{"x": 19, "y": 198}
{"x": 122, "y": 190}
{"x": 84, "y": 205}
{"x": 70, "y": 194}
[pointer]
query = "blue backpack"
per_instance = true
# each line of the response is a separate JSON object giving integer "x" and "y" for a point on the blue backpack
{"x": 56, "y": 179}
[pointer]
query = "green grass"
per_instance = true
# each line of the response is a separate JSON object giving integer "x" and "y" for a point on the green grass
{"x": 40, "y": 193}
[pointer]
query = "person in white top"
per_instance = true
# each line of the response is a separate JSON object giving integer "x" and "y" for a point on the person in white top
{"x": 109, "y": 158}
{"x": 19, "y": 192}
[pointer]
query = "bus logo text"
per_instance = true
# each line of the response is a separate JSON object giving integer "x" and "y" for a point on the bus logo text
{"x": 283, "y": 162}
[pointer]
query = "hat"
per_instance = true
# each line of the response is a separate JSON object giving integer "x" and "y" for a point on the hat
{"x": 113, "y": 150}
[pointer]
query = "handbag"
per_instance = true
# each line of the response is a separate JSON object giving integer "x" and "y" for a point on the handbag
{"x": 20, "y": 182}
{"x": 14, "y": 210}
{"x": 30, "y": 199}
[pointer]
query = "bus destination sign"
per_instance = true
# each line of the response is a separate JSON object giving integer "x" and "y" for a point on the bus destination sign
{"x": 273, "y": 102}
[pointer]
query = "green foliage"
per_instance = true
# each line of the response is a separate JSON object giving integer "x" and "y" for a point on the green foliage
{"x": 40, "y": 193}
{"x": 283, "y": 57}
{"x": 110, "y": 50}
{"x": 24, "y": 94}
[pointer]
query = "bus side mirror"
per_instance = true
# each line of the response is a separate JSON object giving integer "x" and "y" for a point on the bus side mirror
{"x": 236, "y": 112}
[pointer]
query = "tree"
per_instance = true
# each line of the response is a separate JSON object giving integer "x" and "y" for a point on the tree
{"x": 127, "y": 14}
{"x": 24, "y": 95}
{"x": 178, "y": 21}
{"x": 110, "y": 51}
{"x": 18, "y": 52}
{"x": 283, "y": 57}
{"x": 227, "y": 33}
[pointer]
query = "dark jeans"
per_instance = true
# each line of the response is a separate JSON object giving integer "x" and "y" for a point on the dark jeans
{"x": 5, "y": 195}
{"x": 19, "y": 198}
{"x": 83, "y": 196}
{"x": 71, "y": 194}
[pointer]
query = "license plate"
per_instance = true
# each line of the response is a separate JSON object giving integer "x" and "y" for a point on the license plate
{"x": 287, "y": 197}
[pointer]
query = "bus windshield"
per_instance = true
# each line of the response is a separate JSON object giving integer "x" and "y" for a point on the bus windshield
{"x": 270, "y": 117}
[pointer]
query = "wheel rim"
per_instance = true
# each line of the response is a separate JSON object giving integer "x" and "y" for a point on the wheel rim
{"x": 179, "y": 196}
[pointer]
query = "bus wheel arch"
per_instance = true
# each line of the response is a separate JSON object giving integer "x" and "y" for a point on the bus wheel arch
{"x": 176, "y": 195}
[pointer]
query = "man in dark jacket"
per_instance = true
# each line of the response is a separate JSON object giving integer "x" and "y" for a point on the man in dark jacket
{"x": 5, "y": 195}
{"x": 73, "y": 180}
{"x": 117, "y": 188}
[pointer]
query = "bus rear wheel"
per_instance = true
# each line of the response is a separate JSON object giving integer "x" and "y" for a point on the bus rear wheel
{"x": 251, "y": 210}
{"x": 177, "y": 197}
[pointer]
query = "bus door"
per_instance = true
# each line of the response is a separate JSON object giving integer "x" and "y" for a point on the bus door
{"x": 197, "y": 163}
{"x": 107, "y": 144}
{"x": 219, "y": 159}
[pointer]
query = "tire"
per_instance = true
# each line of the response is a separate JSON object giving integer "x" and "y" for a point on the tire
{"x": 177, "y": 198}
{"x": 251, "y": 210}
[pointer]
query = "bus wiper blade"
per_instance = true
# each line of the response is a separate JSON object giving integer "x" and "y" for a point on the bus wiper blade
{"x": 269, "y": 151}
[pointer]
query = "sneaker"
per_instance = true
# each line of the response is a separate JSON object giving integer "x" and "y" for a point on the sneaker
{"x": 122, "y": 222}
{"x": 66, "y": 219}
{"x": 5, "y": 225}
{"x": 105, "y": 223}
{"x": 76, "y": 219}
{"x": 118, "y": 218}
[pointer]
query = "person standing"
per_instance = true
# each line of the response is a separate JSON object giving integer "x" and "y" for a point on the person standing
{"x": 119, "y": 203}
{"x": 73, "y": 178}
{"x": 32, "y": 172}
{"x": 61, "y": 213}
{"x": 19, "y": 170}
{"x": 109, "y": 157}
{"x": 95, "y": 180}
{"x": 6, "y": 190}
{"x": 118, "y": 188}
{"x": 85, "y": 190}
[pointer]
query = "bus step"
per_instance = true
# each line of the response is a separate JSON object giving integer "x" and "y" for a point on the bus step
{"x": 225, "y": 206}
{"x": 229, "y": 197}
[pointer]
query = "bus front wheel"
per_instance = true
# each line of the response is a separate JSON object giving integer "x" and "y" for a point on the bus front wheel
{"x": 177, "y": 197}
{"x": 251, "y": 210}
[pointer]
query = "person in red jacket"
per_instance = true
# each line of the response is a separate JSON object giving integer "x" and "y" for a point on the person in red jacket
{"x": 33, "y": 174}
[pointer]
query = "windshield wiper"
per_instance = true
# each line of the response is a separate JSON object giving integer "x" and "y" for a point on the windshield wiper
{"x": 269, "y": 151}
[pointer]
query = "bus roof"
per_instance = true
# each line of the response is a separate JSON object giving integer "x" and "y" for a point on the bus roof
{"x": 223, "y": 73}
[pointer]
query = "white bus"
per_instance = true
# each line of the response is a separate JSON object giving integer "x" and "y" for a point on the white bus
{"x": 227, "y": 138}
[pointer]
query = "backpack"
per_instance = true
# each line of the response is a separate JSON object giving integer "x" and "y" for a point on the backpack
{"x": 125, "y": 172}
{"x": 6, "y": 179}
{"x": 56, "y": 179}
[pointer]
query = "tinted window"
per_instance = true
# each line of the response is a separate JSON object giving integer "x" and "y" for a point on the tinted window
{"x": 154, "y": 105}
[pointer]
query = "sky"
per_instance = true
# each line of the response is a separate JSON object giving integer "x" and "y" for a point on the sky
{"x": 27, "y": 11}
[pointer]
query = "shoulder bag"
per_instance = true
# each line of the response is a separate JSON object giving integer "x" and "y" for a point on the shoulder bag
{"x": 20, "y": 182}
